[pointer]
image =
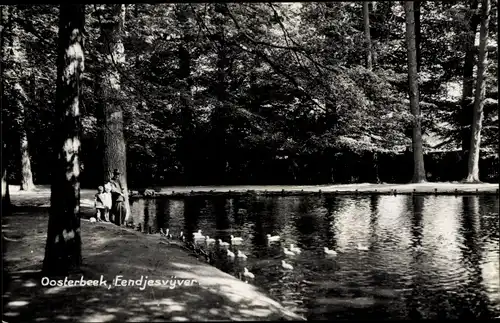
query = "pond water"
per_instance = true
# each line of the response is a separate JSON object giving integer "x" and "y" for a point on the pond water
{"x": 427, "y": 257}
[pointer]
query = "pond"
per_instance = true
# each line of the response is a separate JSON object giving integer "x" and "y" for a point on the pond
{"x": 398, "y": 257}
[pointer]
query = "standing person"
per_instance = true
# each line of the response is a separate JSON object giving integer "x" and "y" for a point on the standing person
{"x": 99, "y": 204}
{"x": 118, "y": 198}
{"x": 107, "y": 201}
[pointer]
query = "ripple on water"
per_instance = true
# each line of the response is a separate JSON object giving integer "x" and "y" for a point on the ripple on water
{"x": 423, "y": 261}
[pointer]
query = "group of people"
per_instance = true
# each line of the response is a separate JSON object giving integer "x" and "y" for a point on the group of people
{"x": 109, "y": 201}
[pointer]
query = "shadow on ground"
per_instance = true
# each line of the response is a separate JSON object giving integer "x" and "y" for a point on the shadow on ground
{"x": 110, "y": 251}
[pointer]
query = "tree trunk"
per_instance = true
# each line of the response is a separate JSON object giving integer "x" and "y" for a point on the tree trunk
{"x": 366, "y": 21}
{"x": 418, "y": 37}
{"x": 15, "y": 72}
{"x": 115, "y": 149}
{"x": 417, "y": 144}
{"x": 63, "y": 249}
{"x": 5, "y": 185}
{"x": 477, "y": 121}
{"x": 468, "y": 79}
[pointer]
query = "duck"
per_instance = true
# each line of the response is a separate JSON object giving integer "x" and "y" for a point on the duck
{"x": 288, "y": 252}
{"x": 330, "y": 251}
{"x": 236, "y": 240}
{"x": 241, "y": 255}
{"x": 294, "y": 249}
{"x": 273, "y": 238}
{"x": 418, "y": 248}
{"x": 167, "y": 234}
{"x": 248, "y": 274}
{"x": 197, "y": 234}
{"x": 362, "y": 248}
{"x": 209, "y": 240}
{"x": 230, "y": 253}
{"x": 223, "y": 244}
{"x": 181, "y": 236}
{"x": 286, "y": 265}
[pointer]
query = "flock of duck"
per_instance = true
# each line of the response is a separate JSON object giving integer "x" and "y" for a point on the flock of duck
{"x": 198, "y": 239}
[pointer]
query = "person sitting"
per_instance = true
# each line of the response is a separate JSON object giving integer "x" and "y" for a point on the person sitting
{"x": 99, "y": 204}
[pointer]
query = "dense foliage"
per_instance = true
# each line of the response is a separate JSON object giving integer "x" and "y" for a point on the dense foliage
{"x": 220, "y": 93}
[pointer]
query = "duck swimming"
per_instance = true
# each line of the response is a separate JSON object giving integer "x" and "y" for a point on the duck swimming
{"x": 273, "y": 238}
{"x": 286, "y": 265}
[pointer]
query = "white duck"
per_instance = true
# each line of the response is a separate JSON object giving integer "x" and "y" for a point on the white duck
{"x": 273, "y": 238}
{"x": 230, "y": 253}
{"x": 181, "y": 236}
{"x": 209, "y": 240}
{"x": 248, "y": 274}
{"x": 288, "y": 252}
{"x": 223, "y": 244}
{"x": 236, "y": 240}
{"x": 295, "y": 249}
{"x": 362, "y": 248}
{"x": 330, "y": 251}
{"x": 197, "y": 234}
{"x": 241, "y": 255}
{"x": 286, "y": 265}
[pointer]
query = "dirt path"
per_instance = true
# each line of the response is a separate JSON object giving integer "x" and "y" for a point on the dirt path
{"x": 109, "y": 251}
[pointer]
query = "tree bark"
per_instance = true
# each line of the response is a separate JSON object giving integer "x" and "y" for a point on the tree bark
{"x": 477, "y": 121}
{"x": 20, "y": 98}
{"x": 5, "y": 185}
{"x": 468, "y": 79}
{"x": 366, "y": 22}
{"x": 417, "y": 142}
{"x": 63, "y": 248}
{"x": 418, "y": 36}
{"x": 115, "y": 149}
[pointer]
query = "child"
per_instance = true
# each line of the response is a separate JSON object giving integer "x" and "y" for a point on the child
{"x": 99, "y": 199}
{"x": 107, "y": 200}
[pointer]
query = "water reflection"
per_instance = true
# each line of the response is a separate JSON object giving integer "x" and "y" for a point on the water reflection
{"x": 428, "y": 256}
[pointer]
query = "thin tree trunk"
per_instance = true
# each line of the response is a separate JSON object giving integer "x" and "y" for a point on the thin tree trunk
{"x": 468, "y": 79}
{"x": 418, "y": 36}
{"x": 366, "y": 21}
{"x": 5, "y": 185}
{"x": 63, "y": 251}
{"x": 417, "y": 144}
{"x": 477, "y": 121}
{"x": 19, "y": 95}
{"x": 115, "y": 149}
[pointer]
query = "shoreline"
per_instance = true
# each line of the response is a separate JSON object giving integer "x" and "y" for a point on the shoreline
{"x": 429, "y": 188}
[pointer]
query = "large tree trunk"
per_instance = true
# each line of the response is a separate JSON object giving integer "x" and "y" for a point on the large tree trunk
{"x": 63, "y": 251}
{"x": 477, "y": 121}
{"x": 468, "y": 79}
{"x": 417, "y": 144}
{"x": 115, "y": 148}
{"x": 366, "y": 22}
{"x": 20, "y": 98}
